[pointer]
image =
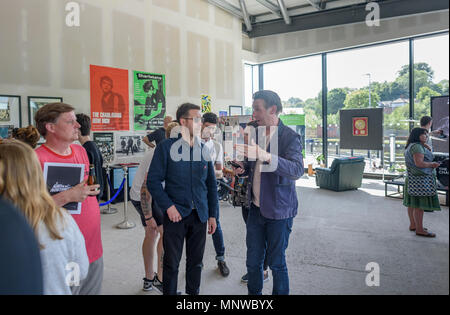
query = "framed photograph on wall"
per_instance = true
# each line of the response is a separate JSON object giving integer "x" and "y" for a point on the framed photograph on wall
{"x": 6, "y": 131}
{"x": 36, "y": 102}
{"x": 236, "y": 111}
{"x": 10, "y": 111}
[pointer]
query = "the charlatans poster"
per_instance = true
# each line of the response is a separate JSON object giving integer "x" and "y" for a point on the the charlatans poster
{"x": 149, "y": 100}
{"x": 109, "y": 99}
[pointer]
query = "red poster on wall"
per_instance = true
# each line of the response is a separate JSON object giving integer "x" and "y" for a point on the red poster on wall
{"x": 109, "y": 99}
{"x": 361, "y": 126}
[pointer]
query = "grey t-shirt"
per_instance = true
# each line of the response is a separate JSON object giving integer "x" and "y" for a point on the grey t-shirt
{"x": 62, "y": 258}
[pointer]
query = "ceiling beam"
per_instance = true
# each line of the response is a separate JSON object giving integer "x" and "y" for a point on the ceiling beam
{"x": 284, "y": 12}
{"x": 347, "y": 15}
{"x": 247, "y": 20}
{"x": 318, "y": 4}
{"x": 272, "y": 7}
{"x": 224, "y": 5}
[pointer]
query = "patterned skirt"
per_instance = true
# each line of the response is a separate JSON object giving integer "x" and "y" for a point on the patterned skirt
{"x": 430, "y": 203}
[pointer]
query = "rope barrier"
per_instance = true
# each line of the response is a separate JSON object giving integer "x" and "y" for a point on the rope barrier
{"x": 115, "y": 196}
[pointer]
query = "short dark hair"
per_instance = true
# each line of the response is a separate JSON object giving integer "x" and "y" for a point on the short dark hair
{"x": 425, "y": 120}
{"x": 270, "y": 99}
{"x": 85, "y": 123}
{"x": 50, "y": 114}
{"x": 210, "y": 118}
{"x": 184, "y": 109}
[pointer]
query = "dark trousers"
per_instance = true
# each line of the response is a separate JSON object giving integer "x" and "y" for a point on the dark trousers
{"x": 245, "y": 212}
{"x": 267, "y": 238}
{"x": 194, "y": 231}
{"x": 217, "y": 237}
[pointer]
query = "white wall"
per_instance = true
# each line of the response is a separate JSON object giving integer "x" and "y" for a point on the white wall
{"x": 276, "y": 47}
{"x": 197, "y": 46}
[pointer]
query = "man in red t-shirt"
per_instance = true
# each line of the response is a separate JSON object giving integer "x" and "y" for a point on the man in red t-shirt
{"x": 58, "y": 124}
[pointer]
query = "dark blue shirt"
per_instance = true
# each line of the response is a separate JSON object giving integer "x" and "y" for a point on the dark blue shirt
{"x": 190, "y": 182}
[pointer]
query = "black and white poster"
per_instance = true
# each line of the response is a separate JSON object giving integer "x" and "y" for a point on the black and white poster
{"x": 105, "y": 143}
{"x": 129, "y": 147}
{"x": 62, "y": 177}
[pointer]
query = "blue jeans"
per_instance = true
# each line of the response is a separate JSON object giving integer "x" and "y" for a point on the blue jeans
{"x": 276, "y": 233}
{"x": 218, "y": 240}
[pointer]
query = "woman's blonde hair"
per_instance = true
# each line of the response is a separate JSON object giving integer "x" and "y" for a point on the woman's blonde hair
{"x": 170, "y": 127}
{"x": 22, "y": 183}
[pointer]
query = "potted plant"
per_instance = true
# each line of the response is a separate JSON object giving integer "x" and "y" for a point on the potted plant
{"x": 321, "y": 160}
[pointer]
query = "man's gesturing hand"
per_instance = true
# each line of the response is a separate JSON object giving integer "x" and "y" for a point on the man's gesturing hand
{"x": 174, "y": 215}
{"x": 253, "y": 152}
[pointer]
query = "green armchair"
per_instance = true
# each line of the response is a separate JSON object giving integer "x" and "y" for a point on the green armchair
{"x": 344, "y": 174}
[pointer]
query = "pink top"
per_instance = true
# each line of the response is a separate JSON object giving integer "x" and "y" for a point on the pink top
{"x": 89, "y": 219}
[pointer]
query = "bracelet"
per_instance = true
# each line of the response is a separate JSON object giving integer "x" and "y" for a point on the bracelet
{"x": 149, "y": 219}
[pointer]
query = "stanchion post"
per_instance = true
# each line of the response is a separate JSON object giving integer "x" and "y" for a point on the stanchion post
{"x": 109, "y": 209}
{"x": 125, "y": 225}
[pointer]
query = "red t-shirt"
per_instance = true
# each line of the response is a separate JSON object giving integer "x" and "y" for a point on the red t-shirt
{"x": 89, "y": 219}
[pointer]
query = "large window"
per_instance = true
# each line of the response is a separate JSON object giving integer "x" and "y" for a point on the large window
{"x": 299, "y": 84}
{"x": 371, "y": 77}
{"x": 431, "y": 76}
{"x": 251, "y": 86}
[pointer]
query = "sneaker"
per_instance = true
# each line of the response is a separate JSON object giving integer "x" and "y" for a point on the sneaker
{"x": 244, "y": 278}
{"x": 158, "y": 284}
{"x": 224, "y": 271}
{"x": 148, "y": 285}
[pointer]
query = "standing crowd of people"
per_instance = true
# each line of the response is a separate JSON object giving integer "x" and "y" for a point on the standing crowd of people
{"x": 175, "y": 195}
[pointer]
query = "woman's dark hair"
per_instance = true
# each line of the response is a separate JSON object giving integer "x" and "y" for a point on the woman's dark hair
{"x": 425, "y": 120}
{"x": 414, "y": 136}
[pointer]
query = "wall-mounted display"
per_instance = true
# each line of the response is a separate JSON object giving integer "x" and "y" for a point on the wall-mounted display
{"x": 6, "y": 131}
{"x": 236, "y": 111}
{"x": 105, "y": 143}
{"x": 129, "y": 147}
{"x": 206, "y": 103}
{"x": 439, "y": 112}
{"x": 11, "y": 110}
{"x": 361, "y": 129}
{"x": 149, "y": 101}
{"x": 37, "y": 102}
{"x": 109, "y": 99}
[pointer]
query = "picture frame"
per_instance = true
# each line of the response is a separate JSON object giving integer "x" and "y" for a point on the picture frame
{"x": 235, "y": 111}
{"x": 36, "y": 102}
{"x": 11, "y": 110}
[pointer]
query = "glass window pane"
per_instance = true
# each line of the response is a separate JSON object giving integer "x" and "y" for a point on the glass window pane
{"x": 299, "y": 84}
{"x": 431, "y": 56}
{"x": 371, "y": 77}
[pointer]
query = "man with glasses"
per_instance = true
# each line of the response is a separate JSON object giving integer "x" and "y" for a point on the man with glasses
{"x": 189, "y": 199}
